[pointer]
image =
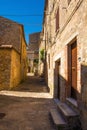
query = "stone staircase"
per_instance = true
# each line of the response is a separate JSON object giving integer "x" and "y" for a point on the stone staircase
{"x": 66, "y": 115}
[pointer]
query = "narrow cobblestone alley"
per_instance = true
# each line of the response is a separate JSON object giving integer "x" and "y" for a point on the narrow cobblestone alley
{"x": 27, "y": 107}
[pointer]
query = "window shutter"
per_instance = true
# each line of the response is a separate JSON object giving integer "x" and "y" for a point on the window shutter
{"x": 57, "y": 20}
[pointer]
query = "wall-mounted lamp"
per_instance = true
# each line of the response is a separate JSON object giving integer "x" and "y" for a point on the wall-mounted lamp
{"x": 79, "y": 59}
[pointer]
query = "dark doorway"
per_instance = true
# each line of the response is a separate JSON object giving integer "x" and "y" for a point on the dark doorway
{"x": 59, "y": 65}
{"x": 74, "y": 70}
{"x": 57, "y": 72}
{"x": 28, "y": 69}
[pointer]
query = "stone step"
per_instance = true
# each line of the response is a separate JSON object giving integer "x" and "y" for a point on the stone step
{"x": 73, "y": 104}
{"x": 70, "y": 116}
{"x": 66, "y": 111}
{"x": 57, "y": 118}
{"x": 56, "y": 101}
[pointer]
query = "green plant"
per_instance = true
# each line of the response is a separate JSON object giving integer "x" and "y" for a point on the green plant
{"x": 36, "y": 61}
{"x": 42, "y": 55}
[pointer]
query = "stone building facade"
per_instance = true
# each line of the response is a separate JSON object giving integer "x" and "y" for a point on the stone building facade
{"x": 33, "y": 52}
{"x": 65, "y": 34}
{"x": 12, "y": 54}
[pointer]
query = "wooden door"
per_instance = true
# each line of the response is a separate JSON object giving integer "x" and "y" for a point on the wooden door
{"x": 74, "y": 70}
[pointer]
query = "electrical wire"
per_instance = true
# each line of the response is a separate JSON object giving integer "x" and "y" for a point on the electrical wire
{"x": 33, "y": 24}
{"x": 22, "y": 15}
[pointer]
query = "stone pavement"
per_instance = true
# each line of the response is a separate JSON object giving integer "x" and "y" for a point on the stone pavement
{"x": 26, "y": 107}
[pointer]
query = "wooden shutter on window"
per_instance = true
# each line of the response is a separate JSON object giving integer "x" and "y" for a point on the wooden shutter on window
{"x": 57, "y": 20}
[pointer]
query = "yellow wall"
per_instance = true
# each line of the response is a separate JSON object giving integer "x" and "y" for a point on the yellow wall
{"x": 15, "y": 69}
{"x": 23, "y": 57}
{"x": 13, "y": 64}
{"x": 9, "y": 68}
{"x": 5, "y": 66}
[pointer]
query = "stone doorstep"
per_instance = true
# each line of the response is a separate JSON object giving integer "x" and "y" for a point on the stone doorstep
{"x": 72, "y": 102}
{"x": 66, "y": 110}
{"x": 56, "y": 101}
{"x": 57, "y": 118}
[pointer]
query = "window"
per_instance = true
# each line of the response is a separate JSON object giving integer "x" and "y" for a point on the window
{"x": 57, "y": 20}
{"x": 69, "y": 2}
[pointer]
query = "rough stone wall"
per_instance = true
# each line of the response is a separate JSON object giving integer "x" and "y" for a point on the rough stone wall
{"x": 73, "y": 25}
{"x": 75, "y": 28}
{"x": 23, "y": 62}
{"x": 10, "y": 64}
{"x": 5, "y": 68}
{"x": 15, "y": 77}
